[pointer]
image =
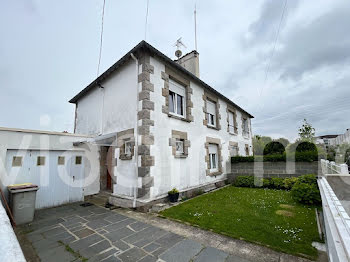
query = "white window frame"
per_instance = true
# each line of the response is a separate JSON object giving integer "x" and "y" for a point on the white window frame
{"x": 182, "y": 150}
{"x": 177, "y": 91}
{"x": 211, "y": 116}
{"x": 231, "y": 126}
{"x": 213, "y": 158}
{"x": 128, "y": 148}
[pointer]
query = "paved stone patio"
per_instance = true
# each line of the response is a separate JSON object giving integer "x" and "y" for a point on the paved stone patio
{"x": 93, "y": 233}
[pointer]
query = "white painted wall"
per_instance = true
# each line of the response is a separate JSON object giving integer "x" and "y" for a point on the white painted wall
{"x": 189, "y": 172}
{"x": 51, "y": 178}
{"x": 113, "y": 109}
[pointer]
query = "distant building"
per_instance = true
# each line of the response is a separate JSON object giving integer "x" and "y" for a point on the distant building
{"x": 325, "y": 140}
{"x": 341, "y": 139}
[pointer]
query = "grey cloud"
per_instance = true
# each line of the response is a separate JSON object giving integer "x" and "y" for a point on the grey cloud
{"x": 323, "y": 42}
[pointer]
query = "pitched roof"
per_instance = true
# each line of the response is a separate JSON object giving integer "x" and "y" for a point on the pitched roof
{"x": 144, "y": 46}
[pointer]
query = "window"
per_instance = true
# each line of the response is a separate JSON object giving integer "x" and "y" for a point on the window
{"x": 213, "y": 157}
{"x": 78, "y": 160}
{"x": 247, "y": 150}
{"x": 60, "y": 160}
{"x": 128, "y": 148}
{"x": 40, "y": 161}
{"x": 179, "y": 146}
{"x": 177, "y": 99}
{"x": 234, "y": 151}
{"x": 231, "y": 123}
{"x": 245, "y": 127}
{"x": 211, "y": 113}
{"x": 17, "y": 161}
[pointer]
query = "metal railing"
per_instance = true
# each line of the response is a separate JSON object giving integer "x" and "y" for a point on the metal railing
{"x": 330, "y": 167}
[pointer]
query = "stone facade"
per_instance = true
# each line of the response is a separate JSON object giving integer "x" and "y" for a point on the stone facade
{"x": 122, "y": 138}
{"x": 212, "y": 98}
{"x": 172, "y": 142}
{"x": 216, "y": 141}
{"x": 170, "y": 74}
{"x": 144, "y": 126}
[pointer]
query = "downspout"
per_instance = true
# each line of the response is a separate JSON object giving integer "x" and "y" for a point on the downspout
{"x": 136, "y": 130}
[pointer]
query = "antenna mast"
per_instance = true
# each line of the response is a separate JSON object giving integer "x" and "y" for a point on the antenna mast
{"x": 195, "y": 27}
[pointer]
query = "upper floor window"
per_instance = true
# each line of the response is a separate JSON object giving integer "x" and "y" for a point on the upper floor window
{"x": 231, "y": 123}
{"x": 245, "y": 127}
{"x": 211, "y": 113}
{"x": 177, "y": 99}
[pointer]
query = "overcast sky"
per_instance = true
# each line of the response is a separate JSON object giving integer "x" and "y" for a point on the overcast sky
{"x": 49, "y": 52}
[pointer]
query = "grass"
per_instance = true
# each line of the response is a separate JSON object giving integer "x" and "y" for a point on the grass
{"x": 264, "y": 216}
{"x": 76, "y": 254}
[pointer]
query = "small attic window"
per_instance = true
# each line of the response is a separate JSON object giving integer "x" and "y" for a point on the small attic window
{"x": 78, "y": 160}
{"x": 40, "y": 161}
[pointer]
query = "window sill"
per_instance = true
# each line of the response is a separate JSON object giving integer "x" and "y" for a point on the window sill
{"x": 180, "y": 156}
{"x": 178, "y": 117}
{"x": 234, "y": 134}
{"x": 215, "y": 173}
{"x": 213, "y": 127}
{"x": 125, "y": 157}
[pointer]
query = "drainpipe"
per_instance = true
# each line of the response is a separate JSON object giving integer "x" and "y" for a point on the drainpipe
{"x": 136, "y": 130}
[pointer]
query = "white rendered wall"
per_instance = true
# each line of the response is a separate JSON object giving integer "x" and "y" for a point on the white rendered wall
{"x": 113, "y": 109}
{"x": 184, "y": 173}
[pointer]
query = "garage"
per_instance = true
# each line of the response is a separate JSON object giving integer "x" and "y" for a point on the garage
{"x": 58, "y": 173}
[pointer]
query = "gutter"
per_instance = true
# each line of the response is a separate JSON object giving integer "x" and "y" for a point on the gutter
{"x": 136, "y": 129}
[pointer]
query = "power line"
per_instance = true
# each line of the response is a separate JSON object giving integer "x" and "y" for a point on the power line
{"x": 146, "y": 20}
{"x": 274, "y": 47}
{"x": 101, "y": 39}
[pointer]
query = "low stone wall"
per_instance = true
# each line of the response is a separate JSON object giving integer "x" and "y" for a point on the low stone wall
{"x": 274, "y": 169}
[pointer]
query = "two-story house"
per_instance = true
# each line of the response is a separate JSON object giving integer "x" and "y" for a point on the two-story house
{"x": 159, "y": 126}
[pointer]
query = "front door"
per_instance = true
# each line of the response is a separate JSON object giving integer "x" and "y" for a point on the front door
{"x": 109, "y": 181}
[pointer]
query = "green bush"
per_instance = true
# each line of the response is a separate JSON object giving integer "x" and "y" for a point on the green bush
{"x": 244, "y": 181}
{"x": 266, "y": 182}
{"x": 308, "y": 179}
{"x": 306, "y": 146}
{"x": 242, "y": 159}
{"x": 277, "y": 183}
{"x": 289, "y": 182}
{"x": 306, "y": 193}
{"x": 273, "y": 147}
{"x": 306, "y": 156}
{"x": 275, "y": 158}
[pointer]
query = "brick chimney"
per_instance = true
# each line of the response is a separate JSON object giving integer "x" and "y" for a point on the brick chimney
{"x": 190, "y": 62}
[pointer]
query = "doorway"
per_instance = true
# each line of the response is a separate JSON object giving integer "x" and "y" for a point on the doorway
{"x": 106, "y": 168}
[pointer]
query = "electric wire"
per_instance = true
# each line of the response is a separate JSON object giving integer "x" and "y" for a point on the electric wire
{"x": 101, "y": 38}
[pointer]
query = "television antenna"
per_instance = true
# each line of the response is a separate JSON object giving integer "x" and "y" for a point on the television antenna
{"x": 179, "y": 44}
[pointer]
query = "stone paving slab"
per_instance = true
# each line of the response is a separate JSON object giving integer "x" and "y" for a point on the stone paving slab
{"x": 92, "y": 233}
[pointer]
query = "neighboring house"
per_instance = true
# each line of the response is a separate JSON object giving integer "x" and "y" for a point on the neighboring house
{"x": 325, "y": 140}
{"x": 341, "y": 139}
{"x": 159, "y": 126}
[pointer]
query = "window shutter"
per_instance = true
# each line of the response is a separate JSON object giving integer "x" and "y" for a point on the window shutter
{"x": 230, "y": 122}
{"x": 211, "y": 108}
{"x": 213, "y": 149}
{"x": 177, "y": 88}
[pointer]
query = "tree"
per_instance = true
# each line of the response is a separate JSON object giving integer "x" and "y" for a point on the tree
{"x": 306, "y": 132}
{"x": 284, "y": 141}
{"x": 259, "y": 143}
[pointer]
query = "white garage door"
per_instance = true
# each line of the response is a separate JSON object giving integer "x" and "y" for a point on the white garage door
{"x": 59, "y": 174}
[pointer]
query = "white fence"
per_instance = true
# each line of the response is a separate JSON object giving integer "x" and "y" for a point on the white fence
{"x": 337, "y": 224}
{"x": 330, "y": 167}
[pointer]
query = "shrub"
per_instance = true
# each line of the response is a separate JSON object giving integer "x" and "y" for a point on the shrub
{"x": 266, "y": 182}
{"x": 173, "y": 191}
{"x": 289, "y": 182}
{"x": 306, "y": 146}
{"x": 275, "y": 158}
{"x": 306, "y": 156}
{"x": 306, "y": 193}
{"x": 273, "y": 147}
{"x": 277, "y": 183}
{"x": 308, "y": 179}
{"x": 244, "y": 181}
{"x": 241, "y": 159}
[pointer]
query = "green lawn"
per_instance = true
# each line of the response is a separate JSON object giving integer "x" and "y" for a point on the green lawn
{"x": 250, "y": 214}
